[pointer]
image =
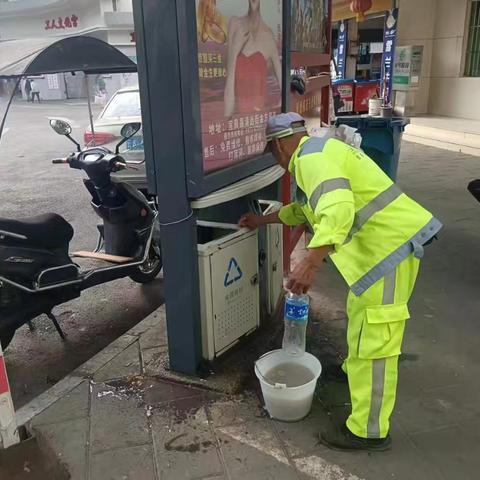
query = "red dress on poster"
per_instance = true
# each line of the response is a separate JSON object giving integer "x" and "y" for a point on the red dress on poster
{"x": 251, "y": 82}
{"x": 253, "y": 50}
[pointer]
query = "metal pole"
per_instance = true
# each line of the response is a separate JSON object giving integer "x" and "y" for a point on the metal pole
{"x": 158, "y": 31}
{"x": 90, "y": 114}
{"x": 8, "y": 425}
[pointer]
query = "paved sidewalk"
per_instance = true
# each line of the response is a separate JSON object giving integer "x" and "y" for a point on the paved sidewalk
{"x": 456, "y": 134}
{"x": 115, "y": 419}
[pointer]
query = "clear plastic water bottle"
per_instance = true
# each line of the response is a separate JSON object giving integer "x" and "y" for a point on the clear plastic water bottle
{"x": 296, "y": 319}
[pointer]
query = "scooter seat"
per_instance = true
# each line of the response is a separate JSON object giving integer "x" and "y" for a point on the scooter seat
{"x": 48, "y": 231}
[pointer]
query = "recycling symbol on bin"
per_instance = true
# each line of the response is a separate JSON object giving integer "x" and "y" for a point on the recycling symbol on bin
{"x": 233, "y": 274}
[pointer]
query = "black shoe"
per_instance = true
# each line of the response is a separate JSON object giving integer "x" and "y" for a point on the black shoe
{"x": 341, "y": 438}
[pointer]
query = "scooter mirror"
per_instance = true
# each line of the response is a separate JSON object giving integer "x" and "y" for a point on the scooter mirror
{"x": 130, "y": 129}
{"x": 60, "y": 126}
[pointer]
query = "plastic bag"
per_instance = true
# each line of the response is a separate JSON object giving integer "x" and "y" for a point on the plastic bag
{"x": 346, "y": 134}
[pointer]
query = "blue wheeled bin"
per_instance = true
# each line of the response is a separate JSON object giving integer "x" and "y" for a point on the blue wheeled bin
{"x": 381, "y": 139}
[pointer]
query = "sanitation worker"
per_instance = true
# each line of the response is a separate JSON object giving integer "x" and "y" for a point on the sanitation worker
{"x": 374, "y": 234}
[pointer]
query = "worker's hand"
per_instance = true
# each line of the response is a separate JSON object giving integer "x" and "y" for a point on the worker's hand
{"x": 250, "y": 220}
{"x": 301, "y": 278}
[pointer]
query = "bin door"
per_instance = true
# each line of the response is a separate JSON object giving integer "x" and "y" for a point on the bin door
{"x": 235, "y": 291}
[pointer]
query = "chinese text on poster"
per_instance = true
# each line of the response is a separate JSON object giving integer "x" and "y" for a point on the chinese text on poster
{"x": 240, "y": 73}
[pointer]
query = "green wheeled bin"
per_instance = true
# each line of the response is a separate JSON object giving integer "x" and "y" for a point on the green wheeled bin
{"x": 381, "y": 139}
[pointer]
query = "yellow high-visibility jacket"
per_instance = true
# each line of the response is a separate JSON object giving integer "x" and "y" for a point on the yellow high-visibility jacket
{"x": 352, "y": 204}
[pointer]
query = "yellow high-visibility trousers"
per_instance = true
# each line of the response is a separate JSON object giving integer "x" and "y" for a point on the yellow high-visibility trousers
{"x": 376, "y": 323}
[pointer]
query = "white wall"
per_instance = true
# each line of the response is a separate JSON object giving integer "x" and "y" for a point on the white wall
{"x": 416, "y": 26}
{"x": 122, "y": 5}
{"x": 441, "y": 27}
{"x": 451, "y": 93}
{"x": 33, "y": 26}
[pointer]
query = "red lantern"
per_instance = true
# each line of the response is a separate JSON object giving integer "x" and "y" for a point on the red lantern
{"x": 360, "y": 7}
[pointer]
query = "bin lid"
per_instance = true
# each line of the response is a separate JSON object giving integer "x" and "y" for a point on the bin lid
{"x": 363, "y": 122}
{"x": 248, "y": 185}
{"x": 340, "y": 81}
{"x": 367, "y": 82}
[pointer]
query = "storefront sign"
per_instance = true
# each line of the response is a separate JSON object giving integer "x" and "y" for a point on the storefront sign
{"x": 408, "y": 66}
{"x": 62, "y": 23}
{"x": 310, "y": 26}
{"x": 342, "y": 49}
{"x": 240, "y": 72}
{"x": 389, "y": 43}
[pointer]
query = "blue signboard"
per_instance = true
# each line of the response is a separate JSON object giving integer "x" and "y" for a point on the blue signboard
{"x": 389, "y": 43}
{"x": 342, "y": 49}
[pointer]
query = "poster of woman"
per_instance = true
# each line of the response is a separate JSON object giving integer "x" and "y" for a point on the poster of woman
{"x": 309, "y": 25}
{"x": 240, "y": 72}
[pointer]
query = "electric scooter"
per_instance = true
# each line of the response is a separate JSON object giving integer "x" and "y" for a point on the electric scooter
{"x": 37, "y": 272}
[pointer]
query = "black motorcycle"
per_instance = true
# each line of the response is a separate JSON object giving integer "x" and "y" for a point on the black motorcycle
{"x": 37, "y": 272}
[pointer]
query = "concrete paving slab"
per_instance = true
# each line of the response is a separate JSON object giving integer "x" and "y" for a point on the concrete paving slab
{"x": 118, "y": 418}
{"x": 125, "y": 364}
{"x": 69, "y": 441}
{"x": 158, "y": 392}
{"x": 75, "y": 404}
{"x": 455, "y": 451}
{"x": 397, "y": 463}
{"x": 253, "y": 447}
{"x": 134, "y": 463}
{"x": 155, "y": 318}
{"x": 103, "y": 357}
{"x": 316, "y": 467}
{"x": 153, "y": 359}
{"x": 185, "y": 447}
{"x": 437, "y": 407}
{"x": 301, "y": 438}
{"x": 32, "y": 461}
{"x": 236, "y": 410}
{"x": 155, "y": 336}
{"x": 46, "y": 399}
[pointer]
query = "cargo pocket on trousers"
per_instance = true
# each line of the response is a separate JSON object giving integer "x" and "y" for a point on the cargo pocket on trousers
{"x": 382, "y": 331}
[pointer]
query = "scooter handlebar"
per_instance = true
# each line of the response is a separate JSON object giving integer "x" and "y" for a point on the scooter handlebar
{"x": 120, "y": 166}
{"x": 57, "y": 161}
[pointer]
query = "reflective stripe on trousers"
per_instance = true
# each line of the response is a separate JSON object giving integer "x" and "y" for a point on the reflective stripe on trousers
{"x": 378, "y": 367}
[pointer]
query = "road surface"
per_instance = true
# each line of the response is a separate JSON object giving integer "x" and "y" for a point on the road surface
{"x": 31, "y": 185}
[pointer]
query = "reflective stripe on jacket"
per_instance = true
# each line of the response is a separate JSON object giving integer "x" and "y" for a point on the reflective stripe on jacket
{"x": 380, "y": 226}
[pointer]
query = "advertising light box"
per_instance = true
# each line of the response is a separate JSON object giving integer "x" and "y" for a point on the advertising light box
{"x": 240, "y": 45}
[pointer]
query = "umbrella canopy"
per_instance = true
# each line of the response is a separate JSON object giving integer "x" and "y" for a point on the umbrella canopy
{"x": 19, "y": 58}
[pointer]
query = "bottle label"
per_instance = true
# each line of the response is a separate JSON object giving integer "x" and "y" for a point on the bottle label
{"x": 297, "y": 313}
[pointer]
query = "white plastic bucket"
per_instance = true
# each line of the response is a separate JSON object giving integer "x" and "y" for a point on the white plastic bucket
{"x": 289, "y": 404}
{"x": 374, "y": 107}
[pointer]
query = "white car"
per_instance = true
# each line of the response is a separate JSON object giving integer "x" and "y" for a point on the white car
{"x": 123, "y": 107}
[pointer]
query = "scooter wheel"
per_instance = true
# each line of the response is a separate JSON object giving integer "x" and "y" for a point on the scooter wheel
{"x": 148, "y": 271}
{"x": 6, "y": 337}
